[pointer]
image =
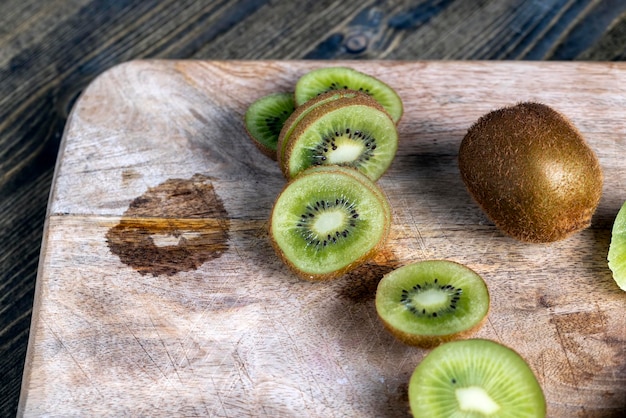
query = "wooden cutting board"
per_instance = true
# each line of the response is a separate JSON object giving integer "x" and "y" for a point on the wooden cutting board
{"x": 159, "y": 294}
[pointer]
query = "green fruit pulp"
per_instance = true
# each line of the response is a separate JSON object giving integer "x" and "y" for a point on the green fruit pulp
{"x": 369, "y": 146}
{"x": 411, "y": 310}
{"x": 335, "y": 78}
{"x": 265, "y": 118}
{"x": 321, "y": 248}
{"x": 617, "y": 249}
{"x": 475, "y": 378}
{"x": 303, "y": 110}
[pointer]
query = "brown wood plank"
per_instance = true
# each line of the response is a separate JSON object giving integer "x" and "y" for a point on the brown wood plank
{"x": 49, "y": 52}
{"x": 128, "y": 326}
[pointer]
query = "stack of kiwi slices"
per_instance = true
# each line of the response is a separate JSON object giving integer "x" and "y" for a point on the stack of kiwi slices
{"x": 335, "y": 116}
{"x": 333, "y": 137}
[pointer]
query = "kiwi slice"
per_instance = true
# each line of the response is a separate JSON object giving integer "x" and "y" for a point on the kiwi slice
{"x": 301, "y": 111}
{"x": 350, "y": 131}
{"x": 430, "y": 302}
{"x": 329, "y": 220}
{"x": 532, "y": 172}
{"x": 617, "y": 249}
{"x": 475, "y": 378}
{"x": 322, "y": 80}
{"x": 264, "y": 120}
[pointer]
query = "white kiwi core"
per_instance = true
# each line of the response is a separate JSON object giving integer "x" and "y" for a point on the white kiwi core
{"x": 476, "y": 399}
{"x": 329, "y": 221}
{"x": 431, "y": 298}
{"x": 346, "y": 152}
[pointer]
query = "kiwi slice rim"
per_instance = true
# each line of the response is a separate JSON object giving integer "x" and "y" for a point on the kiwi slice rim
{"x": 264, "y": 120}
{"x": 427, "y": 303}
{"x": 357, "y": 123}
{"x": 617, "y": 248}
{"x": 325, "y": 79}
{"x": 300, "y": 112}
{"x": 341, "y": 192}
{"x": 448, "y": 383}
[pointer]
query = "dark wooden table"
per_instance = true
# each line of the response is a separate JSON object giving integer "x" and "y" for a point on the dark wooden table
{"x": 49, "y": 51}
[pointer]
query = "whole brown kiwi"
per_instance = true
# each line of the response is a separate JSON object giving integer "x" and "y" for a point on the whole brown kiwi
{"x": 532, "y": 172}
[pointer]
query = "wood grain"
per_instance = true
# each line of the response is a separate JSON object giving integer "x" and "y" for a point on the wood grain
{"x": 49, "y": 52}
{"x": 155, "y": 167}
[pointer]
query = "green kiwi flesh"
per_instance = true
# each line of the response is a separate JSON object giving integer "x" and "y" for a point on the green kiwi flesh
{"x": 475, "y": 378}
{"x": 326, "y": 79}
{"x": 617, "y": 249}
{"x": 328, "y": 220}
{"x": 303, "y": 110}
{"x": 264, "y": 120}
{"x": 532, "y": 172}
{"x": 351, "y": 131}
{"x": 430, "y": 302}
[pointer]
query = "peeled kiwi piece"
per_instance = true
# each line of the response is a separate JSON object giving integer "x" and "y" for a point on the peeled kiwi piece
{"x": 617, "y": 249}
{"x": 430, "y": 302}
{"x": 353, "y": 131}
{"x": 532, "y": 172}
{"x": 322, "y": 80}
{"x": 475, "y": 378}
{"x": 264, "y": 120}
{"x": 301, "y": 111}
{"x": 328, "y": 220}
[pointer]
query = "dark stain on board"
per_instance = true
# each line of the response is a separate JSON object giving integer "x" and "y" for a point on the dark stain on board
{"x": 174, "y": 227}
{"x": 573, "y": 331}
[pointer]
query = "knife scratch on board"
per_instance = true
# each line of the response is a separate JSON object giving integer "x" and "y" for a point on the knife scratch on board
{"x": 301, "y": 360}
{"x": 76, "y": 362}
{"x": 412, "y": 226}
{"x": 570, "y": 367}
{"x": 147, "y": 354}
{"x": 242, "y": 369}
{"x": 167, "y": 352}
{"x": 495, "y": 331}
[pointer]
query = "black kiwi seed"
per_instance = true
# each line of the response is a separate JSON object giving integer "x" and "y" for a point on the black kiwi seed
{"x": 327, "y": 144}
{"x": 275, "y": 123}
{"x": 407, "y": 298}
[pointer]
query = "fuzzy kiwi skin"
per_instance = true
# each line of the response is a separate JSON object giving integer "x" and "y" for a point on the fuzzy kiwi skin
{"x": 532, "y": 172}
{"x": 431, "y": 341}
{"x": 378, "y": 193}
